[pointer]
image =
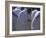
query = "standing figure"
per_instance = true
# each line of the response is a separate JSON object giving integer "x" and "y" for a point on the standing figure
{"x": 14, "y": 17}
{"x": 35, "y": 24}
{"x": 22, "y": 20}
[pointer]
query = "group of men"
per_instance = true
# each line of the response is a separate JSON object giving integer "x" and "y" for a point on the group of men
{"x": 25, "y": 19}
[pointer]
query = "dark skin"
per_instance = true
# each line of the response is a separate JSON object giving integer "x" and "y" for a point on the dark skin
{"x": 29, "y": 11}
{"x": 22, "y": 8}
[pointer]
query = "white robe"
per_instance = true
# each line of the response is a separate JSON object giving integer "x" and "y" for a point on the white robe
{"x": 35, "y": 23}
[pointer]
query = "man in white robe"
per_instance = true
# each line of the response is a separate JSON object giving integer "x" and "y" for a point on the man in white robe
{"x": 14, "y": 17}
{"x": 35, "y": 23}
{"x": 22, "y": 20}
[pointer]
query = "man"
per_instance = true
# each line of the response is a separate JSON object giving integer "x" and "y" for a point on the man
{"x": 35, "y": 24}
{"x": 22, "y": 20}
{"x": 14, "y": 17}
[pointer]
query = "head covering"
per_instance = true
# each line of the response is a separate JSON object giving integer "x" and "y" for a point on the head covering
{"x": 17, "y": 10}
